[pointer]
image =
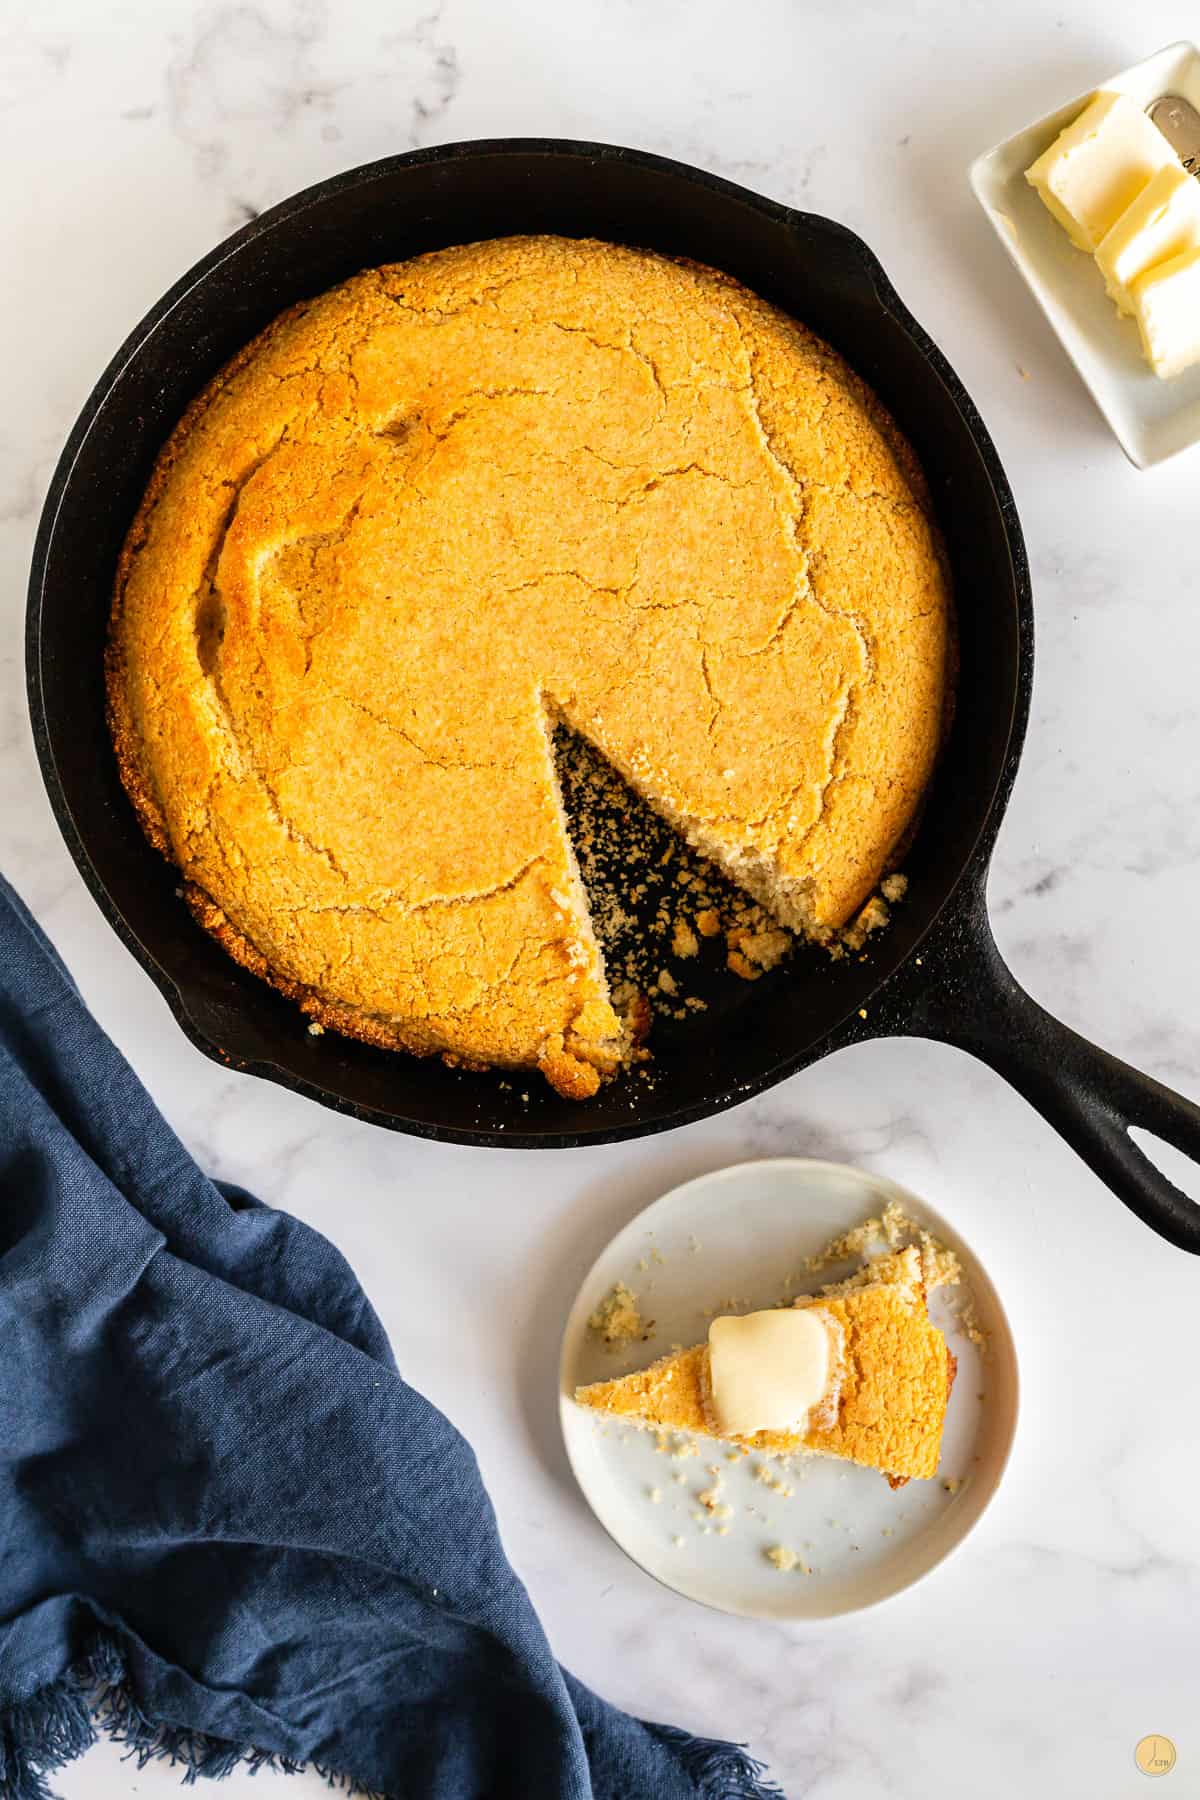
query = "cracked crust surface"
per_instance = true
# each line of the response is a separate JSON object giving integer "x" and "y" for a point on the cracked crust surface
{"x": 895, "y": 1380}
{"x": 453, "y": 499}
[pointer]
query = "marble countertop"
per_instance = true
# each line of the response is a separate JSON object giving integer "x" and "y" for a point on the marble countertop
{"x": 134, "y": 137}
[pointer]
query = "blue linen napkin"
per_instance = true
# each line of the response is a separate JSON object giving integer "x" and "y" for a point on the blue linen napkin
{"x": 229, "y": 1531}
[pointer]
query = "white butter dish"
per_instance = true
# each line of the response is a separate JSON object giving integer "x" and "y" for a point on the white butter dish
{"x": 1152, "y": 419}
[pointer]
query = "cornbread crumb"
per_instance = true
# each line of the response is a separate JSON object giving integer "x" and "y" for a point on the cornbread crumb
{"x": 708, "y": 922}
{"x": 740, "y": 965}
{"x": 967, "y": 1319}
{"x": 710, "y": 1498}
{"x": 786, "y": 1560}
{"x": 940, "y": 1267}
{"x": 873, "y": 917}
{"x": 894, "y": 887}
{"x": 617, "y": 1319}
{"x": 730, "y": 1304}
{"x": 684, "y": 941}
{"x": 763, "y": 949}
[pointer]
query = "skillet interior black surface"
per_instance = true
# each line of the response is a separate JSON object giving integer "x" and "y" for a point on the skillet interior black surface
{"x": 391, "y": 210}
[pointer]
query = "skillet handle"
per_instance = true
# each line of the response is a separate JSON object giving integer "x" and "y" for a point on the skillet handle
{"x": 1089, "y": 1097}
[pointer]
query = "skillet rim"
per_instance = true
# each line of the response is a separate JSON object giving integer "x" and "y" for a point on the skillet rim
{"x": 894, "y": 993}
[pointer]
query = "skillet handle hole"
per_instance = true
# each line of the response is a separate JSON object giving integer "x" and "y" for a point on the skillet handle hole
{"x": 1173, "y": 1163}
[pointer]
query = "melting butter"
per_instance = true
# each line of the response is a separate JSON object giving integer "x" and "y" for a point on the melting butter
{"x": 767, "y": 1370}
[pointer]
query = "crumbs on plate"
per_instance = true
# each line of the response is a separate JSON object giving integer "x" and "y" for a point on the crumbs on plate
{"x": 940, "y": 1267}
{"x": 617, "y": 1318}
{"x": 764, "y": 1473}
{"x": 780, "y": 1557}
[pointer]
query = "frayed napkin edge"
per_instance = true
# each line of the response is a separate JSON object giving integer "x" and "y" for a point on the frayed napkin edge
{"x": 65, "y": 1718}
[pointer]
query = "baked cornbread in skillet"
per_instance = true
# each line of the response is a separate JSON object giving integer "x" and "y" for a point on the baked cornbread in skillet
{"x": 427, "y": 514}
{"x": 889, "y": 1387}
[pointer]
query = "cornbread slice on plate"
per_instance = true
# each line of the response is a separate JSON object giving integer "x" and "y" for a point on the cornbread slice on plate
{"x": 430, "y": 514}
{"x": 892, "y": 1385}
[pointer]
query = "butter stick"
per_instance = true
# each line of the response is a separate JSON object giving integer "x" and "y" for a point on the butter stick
{"x": 1166, "y": 304}
{"x": 1097, "y": 166}
{"x": 1163, "y": 221}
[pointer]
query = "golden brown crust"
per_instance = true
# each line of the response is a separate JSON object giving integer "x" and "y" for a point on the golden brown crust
{"x": 126, "y": 741}
{"x": 735, "y": 591}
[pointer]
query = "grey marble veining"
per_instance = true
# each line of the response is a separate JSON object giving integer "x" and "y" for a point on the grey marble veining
{"x": 1068, "y": 1626}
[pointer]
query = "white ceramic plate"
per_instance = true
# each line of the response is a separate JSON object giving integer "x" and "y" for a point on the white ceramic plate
{"x": 1152, "y": 419}
{"x": 738, "y": 1234}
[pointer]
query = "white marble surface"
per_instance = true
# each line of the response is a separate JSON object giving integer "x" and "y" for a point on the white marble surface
{"x": 134, "y": 136}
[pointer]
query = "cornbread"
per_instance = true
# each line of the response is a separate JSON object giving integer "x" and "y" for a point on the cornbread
{"x": 432, "y": 513}
{"x": 891, "y": 1389}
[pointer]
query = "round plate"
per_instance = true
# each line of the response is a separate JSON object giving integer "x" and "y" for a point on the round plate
{"x": 734, "y": 1241}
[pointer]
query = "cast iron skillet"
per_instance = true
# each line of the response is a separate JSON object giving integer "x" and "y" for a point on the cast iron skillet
{"x": 934, "y": 973}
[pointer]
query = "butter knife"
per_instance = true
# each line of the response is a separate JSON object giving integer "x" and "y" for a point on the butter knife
{"x": 1179, "y": 123}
